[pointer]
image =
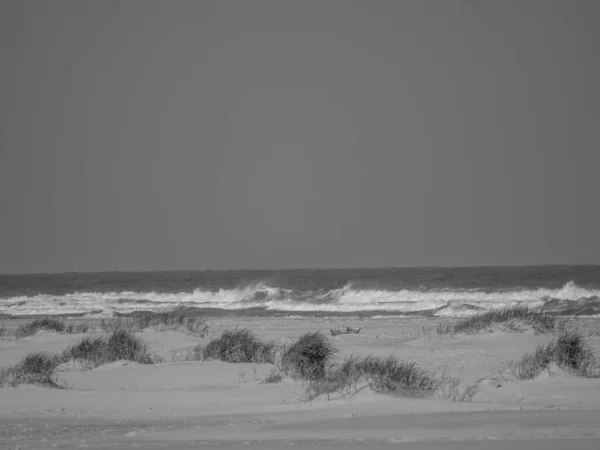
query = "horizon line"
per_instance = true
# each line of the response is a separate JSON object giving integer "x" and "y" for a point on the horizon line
{"x": 304, "y": 269}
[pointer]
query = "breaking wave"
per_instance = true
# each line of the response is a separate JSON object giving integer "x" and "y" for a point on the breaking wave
{"x": 439, "y": 302}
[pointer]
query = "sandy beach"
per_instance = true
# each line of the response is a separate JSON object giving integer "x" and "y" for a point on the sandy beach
{"x": 196, "y": 404}
{"x": 304, "y": 224}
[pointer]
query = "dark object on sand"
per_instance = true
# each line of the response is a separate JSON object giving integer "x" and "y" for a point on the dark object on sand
{"x": 344, "y": 330}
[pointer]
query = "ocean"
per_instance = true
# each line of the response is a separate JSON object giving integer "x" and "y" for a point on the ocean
{"x": 442, "y": 292}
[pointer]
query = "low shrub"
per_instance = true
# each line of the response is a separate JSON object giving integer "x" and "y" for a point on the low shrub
{"x": 386, "y": 375}
{"x": 569, "y": 352}
{"x": 308, "y": 357}
{"x": 240, "y": 346}
{"x": 36, "y": 368}
{"x": 118, "y": 345}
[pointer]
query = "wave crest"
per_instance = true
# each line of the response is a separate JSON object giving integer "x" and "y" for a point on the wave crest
{"x": 343, "y": 300}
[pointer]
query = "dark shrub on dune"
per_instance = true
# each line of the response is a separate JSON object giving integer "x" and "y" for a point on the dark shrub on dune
{"x": 387, "y": 375}
{"x": 240, "y": 346}
{"x": 574, "y": 353}
{"x": 124, "y": 345}
{"x": 569, "y": 352}
{"x": 39, "y": 368}
{"x": 118, "y": 345}
{"x": 89, "y": 348}
{"x": 36, "y": 368}
{"x": 307, "y": 358}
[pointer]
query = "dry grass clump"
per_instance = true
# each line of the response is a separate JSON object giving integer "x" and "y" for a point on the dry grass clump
{"x": 46, "y": 323}
{"x": 450, "y": 389}
{"x": 35, "y": 368}
{"x": 240, "y": 345}
{"x": 195, "y": 353}
{"x": 386, "y": 375}
{"x": 166, "y": 319}
{"x": 275, "y": 376}
{"x": 540, "y": 321}
{"x": 569, "y": 352}
{"x": 116, "y": 346}
{"x": 40, "y": 368}
{"x": 308, "y": 357}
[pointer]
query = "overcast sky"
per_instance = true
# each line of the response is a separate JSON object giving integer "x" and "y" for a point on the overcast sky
{"x": 140, "y": 135}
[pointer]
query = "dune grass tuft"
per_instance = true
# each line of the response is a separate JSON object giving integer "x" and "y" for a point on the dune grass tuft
{"x": 116, "y": 346}
{"x": 540, "y": 321}
{"x": 35, "y": 368}
{"x": 275, "y": 376}
{"x": 240, "y": 345}
{"x": 569, "y": 352}
{"x": 49, "y": 324}
{"x": 166, "y": 319}
{"x": 386, "y": 375}
{"x": 308, "y": 357}
{"x": 40, "y": 368}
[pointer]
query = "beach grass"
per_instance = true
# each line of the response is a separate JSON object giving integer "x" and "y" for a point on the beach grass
{"x": 539, "y": 321}
{"x": 173, "y": 319}
{"x": 35, "y": 368}
{"x": 273, "y": 377}
{"x": 195, "y": 353}
{"x": 40, "y": 368}
{"x": 94, "y": 351}
{"x": 382, "y": 374}
{"x": 569, "y": 351}
{"x": 45, "y": 324}
{"x": 308, "y": 357}
{"x": 240, "y": 345}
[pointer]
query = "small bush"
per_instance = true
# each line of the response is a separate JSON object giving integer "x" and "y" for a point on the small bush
{"x": 308, "y": 357}
{"x": 36, "y": 368}
{"x": 540, "y": 321}
{"x": 240, "y": 346}
{"x": 88, "y": 349}
{"x": 50, "y": 324}
{"x": 118, "y": 345}
{"x": 569, "y": 352}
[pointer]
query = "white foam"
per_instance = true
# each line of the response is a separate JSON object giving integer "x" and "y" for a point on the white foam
{"x": 346, "y": 299}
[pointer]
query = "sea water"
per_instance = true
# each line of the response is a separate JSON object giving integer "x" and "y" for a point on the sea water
{"x": 372, "y": 292}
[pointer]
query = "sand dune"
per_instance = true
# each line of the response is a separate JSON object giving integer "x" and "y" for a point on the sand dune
{"x": 196, "y": 404}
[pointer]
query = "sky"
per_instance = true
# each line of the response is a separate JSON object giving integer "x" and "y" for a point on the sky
{"x": 166, "y": 135}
